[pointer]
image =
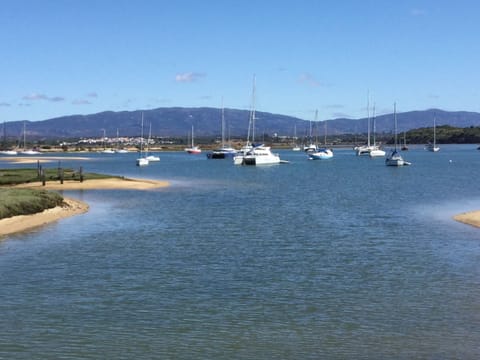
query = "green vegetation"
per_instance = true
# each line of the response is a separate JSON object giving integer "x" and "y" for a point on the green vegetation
{"x": 21, "y": 176}
{"x": 26, "y": 201}
{"x": 15, "y": 201}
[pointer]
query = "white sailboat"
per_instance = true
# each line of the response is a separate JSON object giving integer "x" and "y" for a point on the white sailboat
{"x": 4, "y": 150}
{"x": 147, "y": 156}
{"x": 225, "y": 151}
{"x": 394, "y": 158}
{"x": 322, "y": 153}
{"x": 433, "y": 146}
{"x": 142, "y": 161}
{"x": 252, "y": 154}
{"x": 193, "y": 149}
{"x": 25, "y": 151}
{"x": 376, "y": 151}
{"x": 105, "y": 150}
{"x": 119, "y": 149}
{"x": 295, "y": 146}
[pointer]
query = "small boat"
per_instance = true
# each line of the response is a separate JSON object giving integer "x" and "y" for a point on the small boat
{"x": 193, "y": 149}
{"x": 433, "y": 146}
{"x": 25, "y": 151}
{"x": 9, "y": 152}
{"x": 321, "y": 154}
{"x": 260, "y": 155}
{"x": 142, "y": 161}
{"x": 394, "y": 158}
{"x": 375, "y": 151}
{"x": 147, "y": 156}
{"x": 404, "y": 146}
{"x": 255, "y": 154}
{"x": 225, "y": 151}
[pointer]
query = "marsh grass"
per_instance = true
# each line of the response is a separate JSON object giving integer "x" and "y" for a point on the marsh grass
{"x": 30, "y": 201}
{"x": 26, "y": 201}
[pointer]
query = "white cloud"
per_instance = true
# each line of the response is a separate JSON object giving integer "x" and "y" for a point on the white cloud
{"x": 308, "y": 79}
{"x": 188, "y": 77}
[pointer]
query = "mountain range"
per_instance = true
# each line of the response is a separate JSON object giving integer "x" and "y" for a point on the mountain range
{"x": 177, "y": 122}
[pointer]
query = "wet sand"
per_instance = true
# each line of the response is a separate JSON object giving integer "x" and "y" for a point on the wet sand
{"x": 469, "y": 218}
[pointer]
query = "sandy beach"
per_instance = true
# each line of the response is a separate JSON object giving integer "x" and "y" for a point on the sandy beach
{"x": 41, "y": 159}
{"x": 469, "y": 218}
{"x": 70, "y": 207}
{"x": 99, "y": 184}
{"x": 26, "y": 222}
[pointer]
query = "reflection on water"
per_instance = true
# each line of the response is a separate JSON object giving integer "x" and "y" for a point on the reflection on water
{"x": 340, "y": 259}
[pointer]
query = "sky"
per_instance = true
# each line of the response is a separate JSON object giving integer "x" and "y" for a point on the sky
{"x": 66, "y": 57}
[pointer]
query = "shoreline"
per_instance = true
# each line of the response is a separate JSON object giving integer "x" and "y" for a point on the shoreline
{"x": 98, "y": 184}
{"x": 20, "y": 223}
{"x": 471, "y": 218}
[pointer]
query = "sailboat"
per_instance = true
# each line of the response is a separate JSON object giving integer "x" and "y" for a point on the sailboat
{"x": 5, "y": 150}
{"x": 252, "y": 154}
{"x": 322, "y": 153}
{"x": 375, "y": 151}
{"x": 404, "y": 146}
{"x": 433, "y": 146}
{"x": 25, "y": 151}
{"x": 312, "y": 147}
{"x": 394, "y": 158}
{"x": 105, "y": 150}
{"x": 119, "y": 149}
{"x": 295, "y": 146}
{"x": 193, "y": 149}
{"x": 226, "y": 151}
{"x": 142, "y": 161}
{"x": 147, "y": 156}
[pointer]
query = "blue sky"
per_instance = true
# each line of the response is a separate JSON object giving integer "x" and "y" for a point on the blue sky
{"x": 64, "y": 57}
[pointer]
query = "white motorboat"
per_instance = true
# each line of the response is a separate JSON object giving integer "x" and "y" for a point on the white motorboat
{"x": 260, "y": 155}
{"x": 321, "y": 154}
{"x": 142, "y": 160}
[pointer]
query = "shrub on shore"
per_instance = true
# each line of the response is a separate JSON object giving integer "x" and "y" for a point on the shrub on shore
{"x": 26, "y": 201}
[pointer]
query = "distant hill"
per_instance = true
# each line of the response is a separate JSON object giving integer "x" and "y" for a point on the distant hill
{"x": 177, "y": 122}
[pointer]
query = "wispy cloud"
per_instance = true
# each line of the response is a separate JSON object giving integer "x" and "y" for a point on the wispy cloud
{"x": 309, "y": 80}
{"x": 36, "y": 96}
{"x": 4, "y": 104}
{"x": 188, "y": 77}
{"x": 92, "y": 94}
{"x": 417, "y": 12}
{"x": 81, "y": 102}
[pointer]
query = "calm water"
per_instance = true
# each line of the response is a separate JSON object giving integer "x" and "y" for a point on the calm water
{"x": 339, "y": 259}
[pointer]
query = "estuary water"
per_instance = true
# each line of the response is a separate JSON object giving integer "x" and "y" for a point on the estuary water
{"x": 338, "y": 259}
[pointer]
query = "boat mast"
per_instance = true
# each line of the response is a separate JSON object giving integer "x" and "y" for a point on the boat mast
{"x": 253, "y": 109}
{"x": 395, "y": 122}
{"x": 368, "y": 119}
{"x": 223, "y": 125}
{"x": 374, "y": 127}
{"x": 434, "y": 131}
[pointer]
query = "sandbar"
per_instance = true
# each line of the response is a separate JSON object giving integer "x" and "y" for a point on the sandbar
{"x": 41, "y": 159}
{"x": 99, "y": 184}
{"x": 469, "y": 218}
{"x": 20, "y": 223}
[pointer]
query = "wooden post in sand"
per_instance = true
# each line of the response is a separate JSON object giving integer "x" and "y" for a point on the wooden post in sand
{"x": 81, "y": 174}
{"x": 43, "y": 176}
{"x": 39, "y": 168}
{"x": 61, "y": 176}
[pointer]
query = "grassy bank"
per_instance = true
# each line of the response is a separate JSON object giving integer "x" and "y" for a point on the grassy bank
{"x": 29, "y": 201}
{"x": 26, "y": 201}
